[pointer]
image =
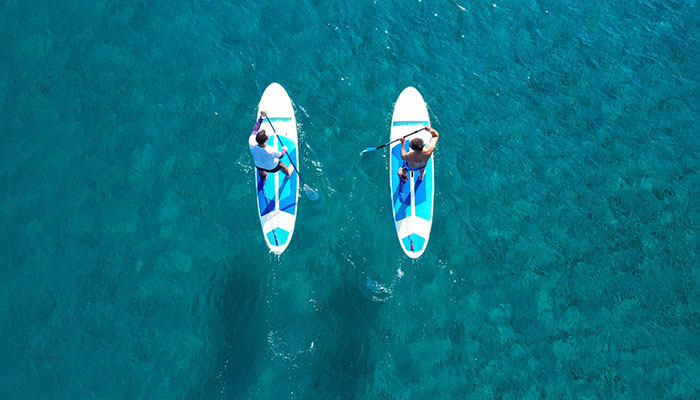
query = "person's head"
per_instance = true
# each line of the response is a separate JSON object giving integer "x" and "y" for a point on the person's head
{"x": 261, "y": 137}
{"x": 416, "y": 144}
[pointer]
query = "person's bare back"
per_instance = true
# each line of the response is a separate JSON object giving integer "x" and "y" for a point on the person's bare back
{"x": 419, "y": 155}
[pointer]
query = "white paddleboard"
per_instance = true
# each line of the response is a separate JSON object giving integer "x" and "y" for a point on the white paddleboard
{"x": 412, "y": 201}
{"x": 277, "y": 195}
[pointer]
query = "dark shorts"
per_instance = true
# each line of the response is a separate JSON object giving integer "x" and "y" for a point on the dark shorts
{"x": 277, "y": 168}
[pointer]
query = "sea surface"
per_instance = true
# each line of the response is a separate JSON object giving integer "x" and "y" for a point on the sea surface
{"x": 563, "y": 261}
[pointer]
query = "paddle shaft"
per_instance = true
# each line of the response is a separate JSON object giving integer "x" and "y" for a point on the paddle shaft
{"x": 286, "y": 153}
{"x": 396, "y": 140}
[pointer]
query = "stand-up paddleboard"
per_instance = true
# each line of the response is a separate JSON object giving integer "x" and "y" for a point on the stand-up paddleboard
{"x": 412, "y": 200}
{"x": 277, "y": 195}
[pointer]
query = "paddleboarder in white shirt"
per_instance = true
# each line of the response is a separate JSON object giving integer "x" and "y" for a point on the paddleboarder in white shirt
{"x": 266, "y": 158}
{"x": 417, "y": 158}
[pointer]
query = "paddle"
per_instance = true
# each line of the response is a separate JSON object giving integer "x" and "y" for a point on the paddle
{"x": 367, "y": 150}
{"x": 310, "y": 193}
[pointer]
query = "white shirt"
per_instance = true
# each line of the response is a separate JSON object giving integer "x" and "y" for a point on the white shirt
{"x": 264, "y": 157}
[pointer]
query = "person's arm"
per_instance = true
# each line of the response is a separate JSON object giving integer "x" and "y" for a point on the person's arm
{"x": 403, "y": 148}
{"x": 433, "y": 140}
{"x": 283, "y": 152}
{"x": 256, "y": 128}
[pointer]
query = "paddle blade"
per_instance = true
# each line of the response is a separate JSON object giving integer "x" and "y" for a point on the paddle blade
{"x": 310, "y": 193}
{"x": 368, "y": 150}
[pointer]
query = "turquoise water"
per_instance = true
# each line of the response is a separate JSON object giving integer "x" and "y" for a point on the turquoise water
{"x": 563, "y": 261}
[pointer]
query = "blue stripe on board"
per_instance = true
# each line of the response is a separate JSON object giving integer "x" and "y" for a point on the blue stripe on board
{"x": 409, "y": 123}
{"x": 401, "y": 191}
{"x": 266, "y": 194}
{"x": 288, "y": 188}
{"x": 423, "y": 192}
{"x": 280, "y": 119}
